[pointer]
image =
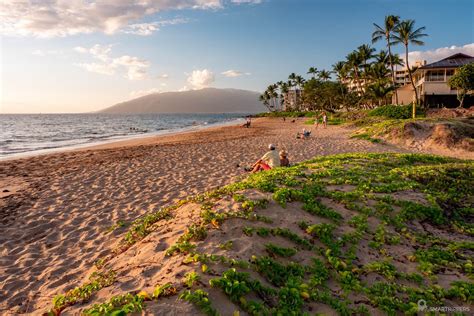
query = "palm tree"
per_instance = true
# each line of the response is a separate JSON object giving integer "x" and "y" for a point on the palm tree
{"x": 378, "y": 72}
{"x": 365, "y": 52}
{"x": 324, "y": 75}
{"x": 271, "y": 92}
{"x": 292, "y": 83}
{"x": 340, "y": 68}
{"x": 379, "y": 92}
{"x": 300, "y": 82}
{"x": 265, "y": 100}
{"x": 354, "y": 62}
{"x": 390, "y": 23}
{"x": 405, "y": 33}
{"x": 382, "y": 58}
{"x": 284, "y": 88}
{"x": 313, "y": 71}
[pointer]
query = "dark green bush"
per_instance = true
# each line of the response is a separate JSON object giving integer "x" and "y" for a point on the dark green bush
{"x": 394, "y": 111}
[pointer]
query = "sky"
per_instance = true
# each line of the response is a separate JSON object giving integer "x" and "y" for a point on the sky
{"x": 71, "y": 56}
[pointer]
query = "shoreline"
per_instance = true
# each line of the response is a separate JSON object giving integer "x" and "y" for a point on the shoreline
{"x": 119, "y": 140}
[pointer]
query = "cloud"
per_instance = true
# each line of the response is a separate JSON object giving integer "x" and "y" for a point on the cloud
{"x": 103, "y": 69}
{"x": 234, "y": 73}
{"x": 145, "y": 29}
{"x": 59, "y": 18}
{"x": 440, "y": 53}
{"x": 201, "y": 78}
{"x": 141, "y": 93}
{"x": 135, "y": 68}
{"x": 163, "y": 76}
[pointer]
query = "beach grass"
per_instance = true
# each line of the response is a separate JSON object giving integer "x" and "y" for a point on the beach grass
{"x": 362, "y": 234}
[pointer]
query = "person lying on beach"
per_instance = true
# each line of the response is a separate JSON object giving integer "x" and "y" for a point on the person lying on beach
{"x": 270, "y": 160}
{"x": 303, "y": 135}
{"x": 284, "y": 161}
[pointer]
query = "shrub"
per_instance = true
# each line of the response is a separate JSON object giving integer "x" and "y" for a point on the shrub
{"x": 394, "y": 111}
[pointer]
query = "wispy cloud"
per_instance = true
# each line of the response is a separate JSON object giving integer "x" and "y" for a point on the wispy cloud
{"x": 440, "y": 53}
{"x": 234, "y": 73}
{"x": 145, "y": 29}
{"x": 61, "y": 18}
{"x": 247, "y": 1}
{"x": 135, "y": 68}
{"x": 201, "y": 78}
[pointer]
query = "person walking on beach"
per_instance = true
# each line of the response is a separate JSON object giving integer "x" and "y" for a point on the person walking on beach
{"x": 325, "y": 120}
{"x": 270, "y": 160}
{"x": 316, "y": 121}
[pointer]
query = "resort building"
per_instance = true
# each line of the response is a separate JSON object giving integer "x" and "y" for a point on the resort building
{"x": 431, "y": 82}
{"x": 401, "y": 75}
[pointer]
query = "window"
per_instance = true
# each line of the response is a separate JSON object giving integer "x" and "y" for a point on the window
{"x": 435, "y": 75}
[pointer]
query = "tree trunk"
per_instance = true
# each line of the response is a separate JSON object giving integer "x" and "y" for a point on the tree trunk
{"x": 412, "y": 83}
{"x": 391, "y": 67}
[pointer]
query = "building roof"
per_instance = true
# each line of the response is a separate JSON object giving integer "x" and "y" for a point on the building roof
{"x": 453, "y": 61}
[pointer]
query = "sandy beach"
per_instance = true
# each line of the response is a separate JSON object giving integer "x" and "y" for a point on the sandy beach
{"x": 56, "y": 209}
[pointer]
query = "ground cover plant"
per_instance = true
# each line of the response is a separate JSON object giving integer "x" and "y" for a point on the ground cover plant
{"x": 352, "y": 234}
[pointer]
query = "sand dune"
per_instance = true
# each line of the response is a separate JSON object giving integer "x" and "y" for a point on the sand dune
{"x": 58, "y": 215}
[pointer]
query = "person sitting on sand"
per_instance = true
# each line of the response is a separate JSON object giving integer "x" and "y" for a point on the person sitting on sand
{"x": 247, "y": 122}
{"x": 284, "y": 161}
{"x": 268, "y": 161}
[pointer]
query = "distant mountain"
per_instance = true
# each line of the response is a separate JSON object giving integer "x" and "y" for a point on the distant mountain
{"x": 209, "y": 100}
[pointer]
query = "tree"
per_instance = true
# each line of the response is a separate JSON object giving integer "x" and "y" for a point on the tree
{"x": 264, "y": 98}
{"x": 405, "y": 33}
{"x": 365, "y": 53}
{"x": 324, "y": 75}
{"x": 313, "y": 71}
{"x": 300, "y": 82}
{"x": 379, "y": 92}
{"x": 390, "y": 23}
{"x": 463, "y": 81}
{"x": 340, "y": 68}
{"x": 354, "y": 62}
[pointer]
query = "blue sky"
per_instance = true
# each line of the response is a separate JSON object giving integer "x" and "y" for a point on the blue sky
{"x": 95, "y": 56}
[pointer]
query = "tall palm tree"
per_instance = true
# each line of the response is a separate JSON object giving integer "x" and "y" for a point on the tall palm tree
{"x": 300, "y": 82}
{"x": 292, "y": 82}
{"x": 271, "y": 91}
{"x": 354, "y": 62}
{"x": 405, "y": 33}
{"x": 390, "y": 23}
{"x": 324, "y": 75}
{"x": 313, "y": 71}
{"x": 284, "y": 88}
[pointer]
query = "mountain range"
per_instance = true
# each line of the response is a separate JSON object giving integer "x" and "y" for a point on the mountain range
{"x": 208, "y": 100}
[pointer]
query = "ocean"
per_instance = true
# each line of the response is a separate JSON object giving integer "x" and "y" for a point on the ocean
{"x": 29, "y": 134}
